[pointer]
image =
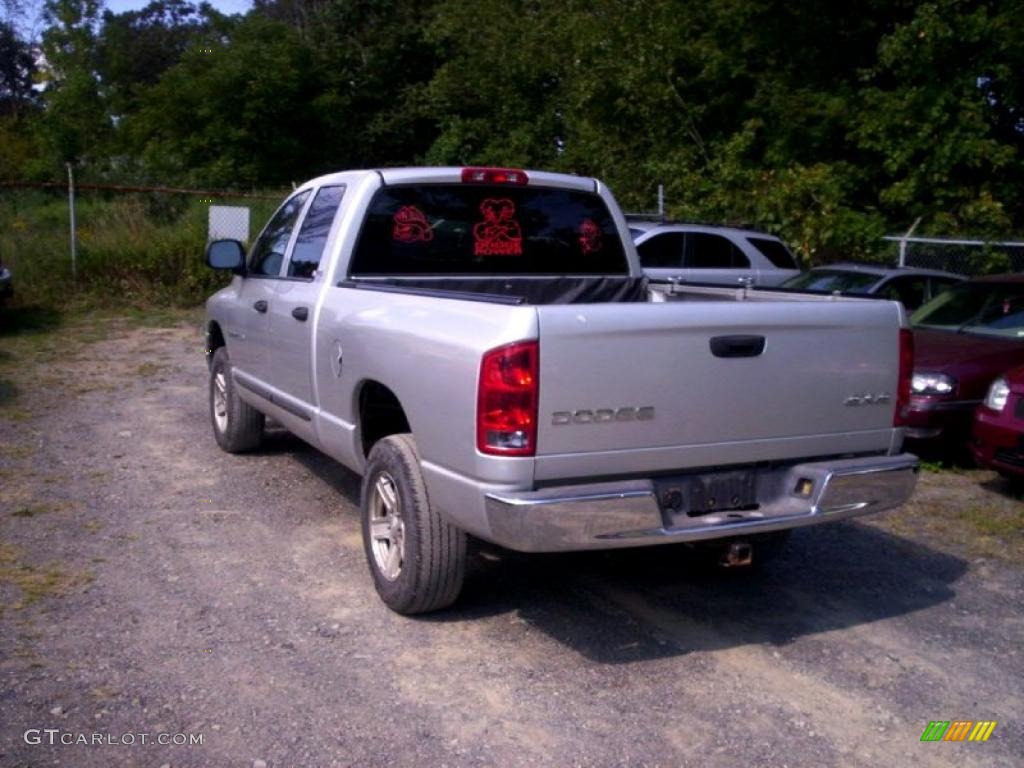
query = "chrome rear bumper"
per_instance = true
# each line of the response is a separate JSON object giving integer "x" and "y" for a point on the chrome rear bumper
{"x": 628, "y": 514}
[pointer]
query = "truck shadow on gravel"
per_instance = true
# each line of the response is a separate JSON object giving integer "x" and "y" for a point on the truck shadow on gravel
{"x": 632, "y": 605}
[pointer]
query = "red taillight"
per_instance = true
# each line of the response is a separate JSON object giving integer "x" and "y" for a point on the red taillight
{"x": 494, "y": 176}
{"x": 506, "y": 414}
{"x": 906, "y": 375}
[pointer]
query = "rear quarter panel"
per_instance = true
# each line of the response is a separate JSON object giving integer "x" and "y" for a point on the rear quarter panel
{"x": 427, "y": 351}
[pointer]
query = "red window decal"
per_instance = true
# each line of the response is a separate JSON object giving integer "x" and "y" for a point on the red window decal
{"x": 499, "y": 233}
{"x": 411, "y": 226}
{"x": 590, "y": 236}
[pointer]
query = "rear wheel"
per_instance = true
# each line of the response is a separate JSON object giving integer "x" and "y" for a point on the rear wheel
{"x": 417, "y": 559}
{"x": 237, "y": 426}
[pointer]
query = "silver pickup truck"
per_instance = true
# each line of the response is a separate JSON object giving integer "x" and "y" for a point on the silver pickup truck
{"x": 481, "y": 346}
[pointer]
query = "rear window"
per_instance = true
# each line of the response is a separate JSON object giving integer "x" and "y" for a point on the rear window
{"x": 462, "y": 229}
{"x": 830, "y": 280}
{"x": 774, "y": 251}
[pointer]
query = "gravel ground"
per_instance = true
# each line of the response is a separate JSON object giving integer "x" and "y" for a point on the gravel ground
{"x": 152, "y": 584}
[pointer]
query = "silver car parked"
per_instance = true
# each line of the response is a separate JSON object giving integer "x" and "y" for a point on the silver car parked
{"x": 704, "y": 253}
{"x": 909, "y": 285}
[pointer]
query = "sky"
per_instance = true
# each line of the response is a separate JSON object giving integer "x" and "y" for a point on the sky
{"x": 224, "y": 6}
{"x": 30, "y": 24}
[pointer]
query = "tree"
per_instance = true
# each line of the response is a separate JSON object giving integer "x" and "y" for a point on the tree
{"x": 370, "y": 61}
{"x": 133, "y": 49}
{"x": 17, "y": 68}
{"x": 826, "y": 123}
{"x": 76, "y": 122}
{"x": 941, "y": 118}
{"x": 235, "y": 110}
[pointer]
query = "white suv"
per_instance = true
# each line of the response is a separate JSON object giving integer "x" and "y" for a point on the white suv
{"x": 703, "y": 253}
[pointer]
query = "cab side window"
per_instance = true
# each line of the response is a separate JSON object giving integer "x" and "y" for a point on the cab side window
{"x": 662, "y": 251}
{"x": 309, "y": 243}
{"x": 268, "y": 253}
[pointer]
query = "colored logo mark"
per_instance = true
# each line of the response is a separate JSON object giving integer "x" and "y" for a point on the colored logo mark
{"x": 411, "y": 226}
{"x": 499, "y": 233}
{"x": 958, "y": 730}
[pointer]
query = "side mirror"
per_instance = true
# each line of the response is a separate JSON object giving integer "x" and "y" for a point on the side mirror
{"x": 225, "y": 254}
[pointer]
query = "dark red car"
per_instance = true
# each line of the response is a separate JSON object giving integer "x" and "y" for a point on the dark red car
{"x": 963, "y": 339}
{"x": 998, "y": 439}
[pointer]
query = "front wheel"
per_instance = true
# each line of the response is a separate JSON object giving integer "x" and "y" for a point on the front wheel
{"x": 417, "y": 559}
{"x": 237, "y": 426}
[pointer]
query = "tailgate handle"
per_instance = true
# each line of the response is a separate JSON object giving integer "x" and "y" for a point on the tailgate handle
{"x": 737, "y": 346}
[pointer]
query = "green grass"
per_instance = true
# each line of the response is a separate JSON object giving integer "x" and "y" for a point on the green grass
{"x": 991, "y": 527}
{"x": 139, "y": 250}
{"x": 1001, "y": 521}
{"x": 35, "y": 583}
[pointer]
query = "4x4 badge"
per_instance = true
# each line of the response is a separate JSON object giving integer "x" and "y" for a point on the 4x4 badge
{"x": 868, "y": 399}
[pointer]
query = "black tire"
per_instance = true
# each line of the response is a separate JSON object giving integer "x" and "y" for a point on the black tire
{"x": 432, "y": 555}
{"x": 242, "y": 430}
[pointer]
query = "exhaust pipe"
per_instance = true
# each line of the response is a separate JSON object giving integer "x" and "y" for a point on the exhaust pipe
{"x": 737, "y": 554}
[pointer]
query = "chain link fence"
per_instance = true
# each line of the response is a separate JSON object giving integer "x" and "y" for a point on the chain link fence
{"x": 136, "y": 244}
{"x": 963, "y": 257}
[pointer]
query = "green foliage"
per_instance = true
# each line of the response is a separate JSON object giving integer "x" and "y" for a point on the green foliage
{"x": 135, "y": 48}
{"x": 77, "y": 125}
{"x": 20, "y": 147}
{"x": 371, "y": 61}
{"x": 230, "y": 115}
{"x": 940, "y": 115}
{"x": 132, "y": 249}
{"x": 17, "y": 68}
{"x": 828, "y": 124}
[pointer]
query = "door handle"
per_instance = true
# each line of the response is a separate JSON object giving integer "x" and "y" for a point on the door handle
{"x": 737, "y": 346}
{"x": 260, "y": 306}
{"x": 300, "y": 314}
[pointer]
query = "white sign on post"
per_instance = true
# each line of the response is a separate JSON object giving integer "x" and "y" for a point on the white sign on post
{"x": 228, "y": 222}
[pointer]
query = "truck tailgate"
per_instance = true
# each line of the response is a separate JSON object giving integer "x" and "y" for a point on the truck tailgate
{"x": 617, "y": 379}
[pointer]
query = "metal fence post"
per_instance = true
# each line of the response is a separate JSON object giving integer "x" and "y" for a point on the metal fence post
{"x": 903, "y": 242}
{"x": 661, "y": 201}
{"x": 71, "y": 210}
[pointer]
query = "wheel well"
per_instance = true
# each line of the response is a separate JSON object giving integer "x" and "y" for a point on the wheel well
{"x": 380, "y": 414}
{"x": 214, "y": 341}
